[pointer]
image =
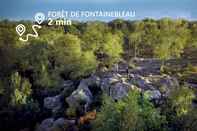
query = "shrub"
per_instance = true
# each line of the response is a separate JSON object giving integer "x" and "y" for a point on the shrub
{"x": 132, "y": 113}
{"x": 178, "y": 108}
{"x": 180, "y": 100}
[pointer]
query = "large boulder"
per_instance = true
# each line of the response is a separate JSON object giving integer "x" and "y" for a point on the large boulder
{"x": 67, "y": 88}
{"x": 141, "y": 82}
{"x": 80, "y": 97}
{"x": 166, "y": 83}
{"x": 94, "y": 81}
{"x": 60, "y": 124}
{"x": 91, "y": 81}
{"x": 53, "y": 103}
{"x": 119, "y": 90}
{"x": 153, "y": 94}
{"x": 109, "y": 80}
{"x": 46, "y": 125}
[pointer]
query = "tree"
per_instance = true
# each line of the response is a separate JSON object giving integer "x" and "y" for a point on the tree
{"x": 135, "y": 38}
{"x": 171, "y": 40}
{"x": 86, "y": 65}
{"x": 21, "y": 90}
{"x": 193, "y": 29}
{"x": 93, "y": 36}
{"x": 162, "y": 49}
{"x": 111, "y": 49}
{"x": 36, "y": 63}
{"x": 119, "y": 25}
{"x": 66, "y": 51}
{"x": 70, "y": 59}
{"x": 7, "y": 47}
{"x": 109, "y": 118}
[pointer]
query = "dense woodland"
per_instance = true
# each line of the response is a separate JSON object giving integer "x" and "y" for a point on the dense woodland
{"x": 74, "y": 52}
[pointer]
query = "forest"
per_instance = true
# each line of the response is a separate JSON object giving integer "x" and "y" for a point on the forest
{"x": 69, "y": 78}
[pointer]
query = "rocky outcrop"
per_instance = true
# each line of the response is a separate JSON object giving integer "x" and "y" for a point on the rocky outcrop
{"x": 117, "y": 85}
{"x": 145, "y": 78}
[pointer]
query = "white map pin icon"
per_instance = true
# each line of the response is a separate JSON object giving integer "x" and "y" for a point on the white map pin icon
{"x": 39, "y": 17}
{"x": 20, "y": 29}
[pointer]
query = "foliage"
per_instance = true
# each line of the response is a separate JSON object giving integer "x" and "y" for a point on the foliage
{"x": 179, "y": 108}
{"x": 93, "y": 36}
{"x": 75, "y": 51}
{"x": 112, "y": 49}
{"x": 1, "y": 88}
{"x": 189, "y": 121}
{"x": 70, "y": 59}
{"x": 21, "y": 90}
{"x": 35, "y": 62}
{"x": 86, "y": 65}
{"x": 180, "y": 100}
{"x": 132, "y": 113}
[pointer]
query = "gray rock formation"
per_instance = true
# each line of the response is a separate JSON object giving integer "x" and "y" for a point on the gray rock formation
{"x": 119, "y": 90}
{"x": 46, "y": 125}
{"x": 53, "y": 103}
{"x": 60, "y": 124}
{"x": 80, "y": 97}
{"x": 153, "y": 95}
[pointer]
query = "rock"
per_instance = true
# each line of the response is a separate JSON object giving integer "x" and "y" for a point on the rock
{"x": 67, "y": 83}
{"x": 94, "y": 81}
{"x": 81, "y": 96}
{"x": 60, "y": 124}
{"x": 46, "y": 125}
{"x": 193, "y": 85}
{"x": 169, "y": 81}
{"x": 154, "y": 82}
{"x": 108, "y": 80}
{"x": 67, "y": 88}
{"x": 141, "y": 82}
{"x": 53, "y": 103}
{"x": 115, "y": 68}
{"x": 91, "y": 81}
{"x": 67, "y": 91}
{"x": 119, "y": 90}
{"x": 83, "y": 84}
{"x": 153, "y": 95}
{"x": 166, "y": 84}
{"x": 113, "y": 80}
